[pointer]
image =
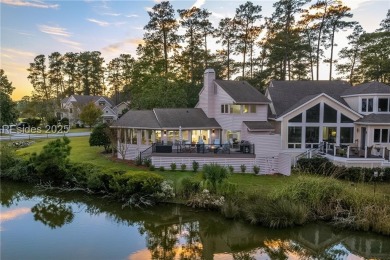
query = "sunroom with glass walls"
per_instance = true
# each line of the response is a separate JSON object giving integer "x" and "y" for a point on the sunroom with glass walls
{"x": 319, "y": 123}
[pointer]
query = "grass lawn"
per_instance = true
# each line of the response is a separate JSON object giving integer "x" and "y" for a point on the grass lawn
{"x": 82, "y": 152}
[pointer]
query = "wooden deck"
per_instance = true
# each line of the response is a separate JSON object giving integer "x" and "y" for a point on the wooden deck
{"x": 206, "y": 155}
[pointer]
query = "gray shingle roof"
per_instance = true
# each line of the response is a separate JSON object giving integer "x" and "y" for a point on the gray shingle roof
{"x": 285, "y": 95}
{"x": 242, "y": 92}
{"x": 259, "y": 126}
{"x": 144, "y": 119}
{"x": 190, "y": 118}
{"x": 368, "y": 88}
{"x": 85, "y": 99}
{"x": 375, "y": 118}
{"x": 167, "y": 118}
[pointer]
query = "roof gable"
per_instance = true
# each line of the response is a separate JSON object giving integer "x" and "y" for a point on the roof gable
{"x": 310, "y": 99}
{"x": 242, "y": 92}
{"x": 286, "y": 95}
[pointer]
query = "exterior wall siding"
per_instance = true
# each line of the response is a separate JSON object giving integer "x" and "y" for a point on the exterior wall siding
{"x": 353, "y": 102}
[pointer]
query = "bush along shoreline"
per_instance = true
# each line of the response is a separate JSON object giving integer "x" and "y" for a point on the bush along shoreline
{"x": 307, "y": 198}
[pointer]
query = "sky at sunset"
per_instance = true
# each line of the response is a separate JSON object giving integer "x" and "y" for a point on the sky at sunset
{"x": 30, "y": 28}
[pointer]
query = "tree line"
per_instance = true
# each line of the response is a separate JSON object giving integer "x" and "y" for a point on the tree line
{"x": 168, "y": 71}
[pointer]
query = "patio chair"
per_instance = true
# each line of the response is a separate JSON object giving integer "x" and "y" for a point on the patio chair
{"x": 225, "y": 148}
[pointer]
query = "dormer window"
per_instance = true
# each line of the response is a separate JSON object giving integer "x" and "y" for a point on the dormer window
{"x": 383, "y": 105}
{"x": 367, "y": 104}
{"x": 102, "y": 103}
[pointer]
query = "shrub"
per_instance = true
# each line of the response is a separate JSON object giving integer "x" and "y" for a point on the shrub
{"x": 195, "y": 166}
{"x": 7, "y": 157}
{"x": 173, "y": 167}
{"x": 206, "y": 200}
{"x": 243, "y": 168}
{"x": 322, "y": 166}
{"x": 231, "y": 169}
{"x": 166, "y": 191}
{"x": 147, "y": 161}
{"x": 214, "y": 174}
{"x": 33, "y": 122}
{"x": 183, "y": 167}
{"x": 152, "y": 167}
{"x": 64, "y": 121}
{"x": 100, "y": 137}
{"x": 161, "y": 168}
{"x": 140, "y": 183}
{"x": 17, "y": 171}
{"x": 189, "y": 187}
{"x": 138, "y": 161}
{"x": 52, "y": 162}
{"x": 52, "y": 121}
{"x": 256, "y": 169}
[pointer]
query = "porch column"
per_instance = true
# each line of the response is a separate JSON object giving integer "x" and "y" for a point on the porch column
{"x": 365, "y": 151}
{"x": 348, "y": 151}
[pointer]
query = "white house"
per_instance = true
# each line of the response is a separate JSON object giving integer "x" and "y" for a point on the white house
{"x": 228, "y": 126}
{"x": 71, "y": 107}
{"x": 235, "y": 124}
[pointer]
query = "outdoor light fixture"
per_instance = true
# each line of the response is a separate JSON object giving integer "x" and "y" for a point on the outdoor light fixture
{"x": 165, "y": 132}
{"x": 213, "y": 131}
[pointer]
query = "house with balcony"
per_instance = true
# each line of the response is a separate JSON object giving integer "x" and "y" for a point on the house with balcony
{"x": 71, "y": 107}
{"x": 228, "y": 126}
{"x": 350, "y": 125}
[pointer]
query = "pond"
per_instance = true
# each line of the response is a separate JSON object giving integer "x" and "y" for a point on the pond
{"x": 48, "y": 225}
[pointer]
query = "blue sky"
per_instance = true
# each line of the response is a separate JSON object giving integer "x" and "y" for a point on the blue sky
{"x": 30, "y": 28}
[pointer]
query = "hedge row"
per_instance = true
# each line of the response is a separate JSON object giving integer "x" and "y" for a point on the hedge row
{"x": 322, "y": 166}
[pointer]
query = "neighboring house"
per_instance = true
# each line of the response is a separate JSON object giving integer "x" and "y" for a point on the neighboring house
{"x": 229, "y": 126}
{"x": 352, "y": 124}
{"x": 122, "y": 108}
{"x": 71, "y": 107}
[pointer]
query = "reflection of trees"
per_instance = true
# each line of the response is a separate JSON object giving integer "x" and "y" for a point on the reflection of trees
{"x": 12, "y": 194}
{"x": 193, "y": 247}
{"x": 161, "y": 240}
{"x": 53, "y": 212}
{"x": 243, "y": 256}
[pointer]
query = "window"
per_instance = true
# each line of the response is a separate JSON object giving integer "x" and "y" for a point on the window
{"x": 235, "y": 109}
{"x": 385, "y": 136}
{"x": 345, "y": 119}
{"x": 297, "y": 119}
{"x": 248, "y": 109}
{"x": 377, "y": 135}
{"x": 312, "y": 135}
{"x": 224, "y": 109}
{"x": 383, "y": 105}
{"x": 381, "y": 135}
{"x": 70, "y": 110}
{"x": 294, "y": 134}
{"x": 367, "y": 104}
{"x": 313, "y": 114}
{"x": 330, "y": 114}
{"x": 346, "y": 135}
{"x": 102, "y": 103}
{"x": 329, "y": 134}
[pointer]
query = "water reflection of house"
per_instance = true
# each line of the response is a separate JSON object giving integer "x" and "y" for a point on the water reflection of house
{"x": 368, "y": 247}
{"x": 317, "y": 238}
